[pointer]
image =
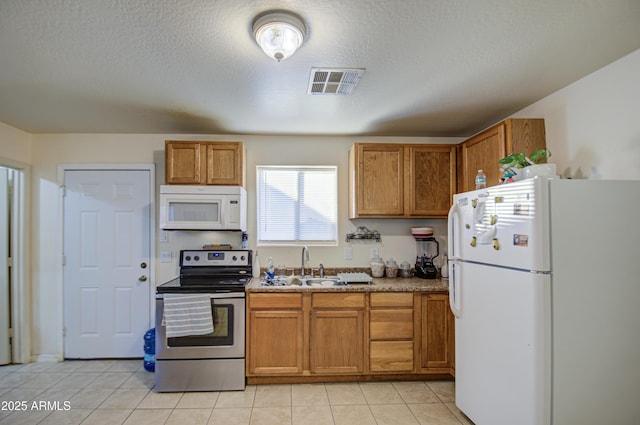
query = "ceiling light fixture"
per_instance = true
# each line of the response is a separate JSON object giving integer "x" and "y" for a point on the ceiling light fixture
{"x": 279, "y": 33}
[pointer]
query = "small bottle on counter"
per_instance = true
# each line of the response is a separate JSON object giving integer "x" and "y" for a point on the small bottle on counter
{"x": 270, "y": 269}
{"x": 245, "y": 240}
{"x": 481, "y": 180}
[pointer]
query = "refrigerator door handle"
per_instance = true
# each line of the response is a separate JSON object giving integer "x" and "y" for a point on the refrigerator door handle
{"x": 451, "y": 235}
{"x": 454, "y": 290}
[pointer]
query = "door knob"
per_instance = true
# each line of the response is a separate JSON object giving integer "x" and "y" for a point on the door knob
{"x": 142, "y": 278}
{"x": 143, "y": 265}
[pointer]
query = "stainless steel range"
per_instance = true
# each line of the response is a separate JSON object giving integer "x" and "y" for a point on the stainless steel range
{"x": 212, "y": 361}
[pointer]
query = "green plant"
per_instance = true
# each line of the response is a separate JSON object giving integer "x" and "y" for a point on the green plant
{"x": 521, "y": 160}
{"x": 540, "y": 156}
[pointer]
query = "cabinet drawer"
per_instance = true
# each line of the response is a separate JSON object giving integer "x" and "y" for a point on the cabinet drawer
{"x": 348, "y": 300}
{"x": 391, "y": 299}
{"x": 391, "y": 356}
{"x": 391, "y": 324}
{"x": 275, "y": 301}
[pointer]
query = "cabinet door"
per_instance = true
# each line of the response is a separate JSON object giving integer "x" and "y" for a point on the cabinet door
{"x": 436, "y": 350}
{"x": 265, "y": 355}
{"x": 337, "y": 342}
{"x": 225, "y": 164}
{"x": 482, "y": 152}
{"x": 431, "y": 179}
{"x": 525, "y": 134}
{"x": 184, "y": 163}
{"x": 377, "y": 180}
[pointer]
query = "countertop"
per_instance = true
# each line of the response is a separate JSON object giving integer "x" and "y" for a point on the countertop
{"x": 383, "y": 284}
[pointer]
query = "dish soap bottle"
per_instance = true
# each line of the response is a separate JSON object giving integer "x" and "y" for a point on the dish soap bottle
{"x": 270, "y": 269}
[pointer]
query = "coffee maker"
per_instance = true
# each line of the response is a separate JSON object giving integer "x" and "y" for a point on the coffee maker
{"x": 428, "y": 248}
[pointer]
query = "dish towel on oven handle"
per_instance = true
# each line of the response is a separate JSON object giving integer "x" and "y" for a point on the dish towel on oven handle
{"x": 187, "y": 314}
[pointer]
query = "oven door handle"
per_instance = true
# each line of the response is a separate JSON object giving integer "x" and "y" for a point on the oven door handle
{"x": 215, "y": 295}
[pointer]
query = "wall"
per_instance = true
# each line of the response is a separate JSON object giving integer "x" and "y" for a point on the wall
{"x": 591, "y": 130}
{"x": 15, "y": 146}
{"x": 592, "y": 125}
{"x": 49, "y": 151}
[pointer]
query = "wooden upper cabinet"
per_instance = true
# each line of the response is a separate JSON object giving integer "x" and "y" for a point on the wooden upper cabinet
{"x": 204, "y": 163}
{"x": 400, "y": 180}
{"x": 484, "y": 150}
{"x": 184, "y": 163}
{"x": 431, "y": 179}
{"x": 377, "y": 179}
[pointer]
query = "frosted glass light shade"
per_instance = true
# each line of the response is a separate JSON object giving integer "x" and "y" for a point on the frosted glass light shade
{"x": 279, "y": 34}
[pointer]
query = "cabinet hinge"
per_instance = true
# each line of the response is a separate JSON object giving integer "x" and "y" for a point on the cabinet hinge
{"x": 10, "y": 332}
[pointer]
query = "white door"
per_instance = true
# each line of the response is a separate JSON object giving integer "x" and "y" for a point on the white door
{"x": 501, "y": 343}
{"x": 5, "y": 347}
{"x": 106, "y": 267}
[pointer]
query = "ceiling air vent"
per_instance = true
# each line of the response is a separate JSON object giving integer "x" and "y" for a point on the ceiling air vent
{"x": 334, "y": 80}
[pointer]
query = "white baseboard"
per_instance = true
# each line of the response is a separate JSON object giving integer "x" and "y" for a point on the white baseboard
{"x": 52, "y": 358}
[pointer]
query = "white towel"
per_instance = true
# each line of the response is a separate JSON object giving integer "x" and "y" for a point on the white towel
{"x": 187, "y": 314}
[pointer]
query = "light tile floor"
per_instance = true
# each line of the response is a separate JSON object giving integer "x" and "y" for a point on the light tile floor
{"x": 113, "y": 392}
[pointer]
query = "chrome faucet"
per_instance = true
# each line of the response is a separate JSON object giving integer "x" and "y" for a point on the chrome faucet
{"x": 321, "y": 270}
{"x": 305, "y": 249}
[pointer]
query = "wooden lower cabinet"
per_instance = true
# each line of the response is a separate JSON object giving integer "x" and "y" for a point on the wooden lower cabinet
{"x": 391, "y": 356}
{"x": 391, "y": 332}
{"x": 337, "y": 341}
{"x": 337, "y": 333}
{"x": 437, "y": 350}
{"x": 324, "y": 337}
{"x": 275, "y": 338}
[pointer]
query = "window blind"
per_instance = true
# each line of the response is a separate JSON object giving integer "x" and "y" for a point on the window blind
{"x": 297, "y": 204}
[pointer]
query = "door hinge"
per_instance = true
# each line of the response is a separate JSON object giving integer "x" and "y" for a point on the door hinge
{"x": 64, "y": 260}
{"x": 10, "y": 262}
{"x": 64, "y": 332}
{"x": 64, "y": 190}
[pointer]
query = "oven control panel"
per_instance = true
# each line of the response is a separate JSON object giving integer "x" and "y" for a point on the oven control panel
{"x": 209, "y": 258}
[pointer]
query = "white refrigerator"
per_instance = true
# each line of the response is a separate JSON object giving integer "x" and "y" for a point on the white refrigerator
{"x": 544, "y": 283}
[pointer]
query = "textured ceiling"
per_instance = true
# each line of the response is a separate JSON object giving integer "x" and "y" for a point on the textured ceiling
{"x": 433, "y": 67}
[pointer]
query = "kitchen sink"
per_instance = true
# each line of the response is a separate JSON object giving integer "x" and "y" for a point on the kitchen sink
{"x": 322, "y": 281}
{"x": 305, "y": 281}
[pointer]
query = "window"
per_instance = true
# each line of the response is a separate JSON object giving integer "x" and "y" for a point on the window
{"x": 297, "y": 205}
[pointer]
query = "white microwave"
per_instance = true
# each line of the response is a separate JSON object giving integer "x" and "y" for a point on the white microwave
{"x": 203, "y": 207}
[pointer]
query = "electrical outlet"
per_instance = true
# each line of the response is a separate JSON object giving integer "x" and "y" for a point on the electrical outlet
{"x": 348, "y": 253}
{"x": 375, "y": 253}
{"x": 164, "y": 236}
{"x": 165, "y": 256}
